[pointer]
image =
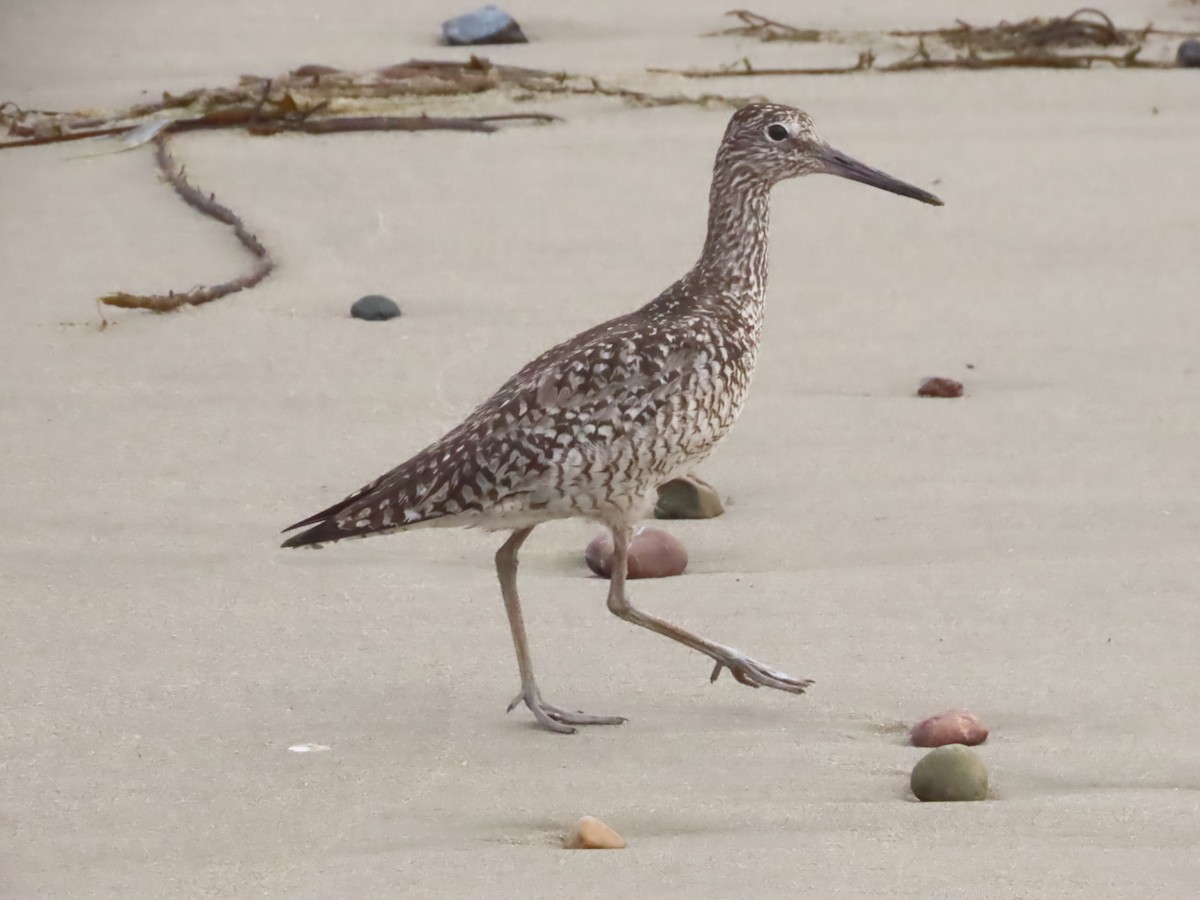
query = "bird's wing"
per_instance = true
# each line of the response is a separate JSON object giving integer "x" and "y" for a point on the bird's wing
{"x": 600, "y": 386}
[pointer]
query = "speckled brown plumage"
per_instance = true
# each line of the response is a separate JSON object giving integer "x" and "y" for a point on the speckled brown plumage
{"x": 593, "y": 425}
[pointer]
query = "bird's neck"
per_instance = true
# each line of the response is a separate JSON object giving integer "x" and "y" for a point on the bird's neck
{"x": 734, "y": 262}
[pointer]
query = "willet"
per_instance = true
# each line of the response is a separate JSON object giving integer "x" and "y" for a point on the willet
{"x": 591, "y": 427}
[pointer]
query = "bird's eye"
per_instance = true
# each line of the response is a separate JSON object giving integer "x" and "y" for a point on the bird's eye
{"x": 777, "y": 132}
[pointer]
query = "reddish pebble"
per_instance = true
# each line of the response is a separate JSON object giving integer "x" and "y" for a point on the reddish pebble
{"x": 954, "y": 726}
{"x": 653, "y": 553}
{"x": 940, "y": 387}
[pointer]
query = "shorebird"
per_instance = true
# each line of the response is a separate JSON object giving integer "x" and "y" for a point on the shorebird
{"x": 591, "y": 427}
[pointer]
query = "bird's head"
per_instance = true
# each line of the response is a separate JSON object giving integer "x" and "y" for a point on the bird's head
{"x": 766, "y": 143}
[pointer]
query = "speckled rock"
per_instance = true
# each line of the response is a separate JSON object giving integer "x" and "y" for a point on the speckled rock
{"x": 591, "y": 834}
{"x": 954, "y": 726}
{"x": 486, "y": 25}
{"x": 688, "y": 497}
{"x": 940, "y": 387}
{"x": 374, "y": 308}
{"x": 1188, "y": 54}
{"x": 653, "y": 553}
{"x": 950, "y": 773}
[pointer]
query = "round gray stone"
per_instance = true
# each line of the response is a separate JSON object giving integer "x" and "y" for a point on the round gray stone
{"x": 953, "y": 772}
{"x": 1188, "y": 54}
{"x": 374, "y": 308}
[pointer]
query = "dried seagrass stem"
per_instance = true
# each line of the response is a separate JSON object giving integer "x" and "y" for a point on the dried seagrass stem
{"x": 205, "y": 204}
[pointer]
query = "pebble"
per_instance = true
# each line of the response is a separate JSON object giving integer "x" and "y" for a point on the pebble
{"x": 592, "y": 834}
{"x": 374, "y": 308}
{"x": 940, "y": 387}
{"x": 653, "y": 553}
{"x": 950, "y": 773}
{"x": 1188, "y": 55}
{"x": 486, "y": 25}
{"x": 688, "y": 497}
{"x": 954, "y": 726}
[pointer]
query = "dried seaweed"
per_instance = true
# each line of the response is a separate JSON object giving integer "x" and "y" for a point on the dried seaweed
{"x": 756, "y": 26}
{"x": 318, "y": 99}
{"x": 642, "y": 99}
{"x": 1085, "y": 27}
{"x": 743, "y": 67}
{"x": 1053, "y": 43}
{"x": 311, "y": 99}
{"x": 207, "y": 205}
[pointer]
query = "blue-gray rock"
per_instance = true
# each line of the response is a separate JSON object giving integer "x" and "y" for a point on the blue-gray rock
{"x": 374, "y": 308}
{"x": 1188, "y": 55}
{"x": 953, "y": 772}
{"x": 486, "y": 25}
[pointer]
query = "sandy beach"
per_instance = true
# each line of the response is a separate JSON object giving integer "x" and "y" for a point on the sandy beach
{"x": 1030, "y": 551}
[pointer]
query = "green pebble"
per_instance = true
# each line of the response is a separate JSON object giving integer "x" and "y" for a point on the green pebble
{"x": 953, "y": 772}
{"x": 683, "y": 498}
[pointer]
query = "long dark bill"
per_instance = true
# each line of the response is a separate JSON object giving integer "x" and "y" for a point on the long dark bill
{"x": 837, "y": 163}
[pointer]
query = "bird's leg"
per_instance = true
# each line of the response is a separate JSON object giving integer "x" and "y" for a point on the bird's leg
{"x": 551, "y": 717}
{"x": 744, "y": 669}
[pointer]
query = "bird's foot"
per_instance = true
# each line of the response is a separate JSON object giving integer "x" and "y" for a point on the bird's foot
{"x": 753, "y": 673}
{"x": 559, "y": 720}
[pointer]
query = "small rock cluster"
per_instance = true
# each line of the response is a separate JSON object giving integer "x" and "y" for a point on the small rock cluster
{"x": 952, "y": 771}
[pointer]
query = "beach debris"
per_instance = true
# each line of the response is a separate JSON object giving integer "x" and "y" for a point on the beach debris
{"x": 950, "y": 773}
{"x": 937, "y": 386}
{"x": 954, "y": 726}
{"x": 310, "y": 99}
{"x": 206, "y": 204}
{"x": 756, "y": 26}
{"x": 486, "y": 25}
{"x": 590, "y": 833}
{"x": 1069, "y": 42}
{"x": 309, "y": 748}
{"x": 1188, "y": 55}
{"x": 687, "y": 497}
{"x": 653, "y": 553}
{"x": 375, "y": 308}
{"x": 130, "y": 139}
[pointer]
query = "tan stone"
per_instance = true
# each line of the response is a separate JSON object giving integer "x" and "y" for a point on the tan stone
{"x": 590, "y": 833}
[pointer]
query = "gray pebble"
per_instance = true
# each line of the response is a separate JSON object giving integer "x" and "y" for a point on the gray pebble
{"x": 953, "y": 772}
{"x": 1188, "y": 55}
{"x": 374, "y": 308}
{"x": 486, "y": 25}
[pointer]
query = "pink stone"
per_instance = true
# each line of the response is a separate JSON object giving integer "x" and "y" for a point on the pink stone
{"x": 954, "y": 726}
{"x": 653, "y": 553}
